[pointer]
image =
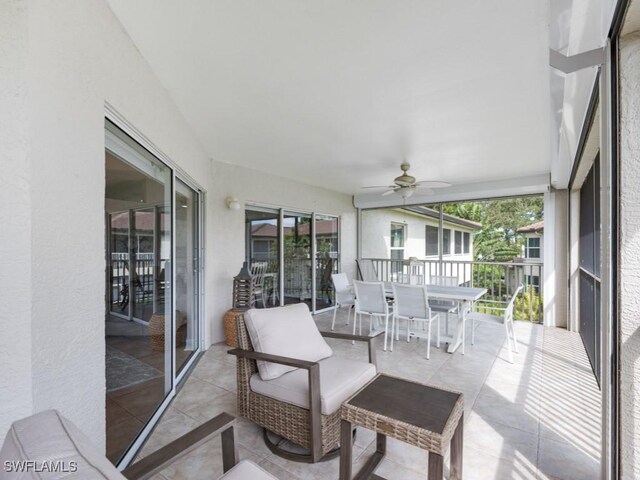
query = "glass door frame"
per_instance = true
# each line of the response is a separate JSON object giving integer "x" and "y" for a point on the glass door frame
{"x": 175, "y": 380}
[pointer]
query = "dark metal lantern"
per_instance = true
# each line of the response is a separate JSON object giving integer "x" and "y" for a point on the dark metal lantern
{"x": 243, "y": 289}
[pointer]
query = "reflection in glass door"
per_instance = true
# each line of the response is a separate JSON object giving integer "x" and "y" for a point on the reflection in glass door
{"x": 327, "y": 259}
{"x": 296, "y": 237}
{"x": 187, "y": 272}
{"x": 262, "y": 254}
{"x": 292, "y": 256}
{"x": 138, "y": 357}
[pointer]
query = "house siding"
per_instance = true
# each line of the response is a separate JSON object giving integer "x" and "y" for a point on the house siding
{"x": 376, "y": 235}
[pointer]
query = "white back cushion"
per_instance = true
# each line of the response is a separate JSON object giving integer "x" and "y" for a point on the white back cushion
{"x": 288, "y": 331}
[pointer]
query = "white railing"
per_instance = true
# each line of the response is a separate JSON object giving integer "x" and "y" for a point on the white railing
{"x": 501, "y": 279}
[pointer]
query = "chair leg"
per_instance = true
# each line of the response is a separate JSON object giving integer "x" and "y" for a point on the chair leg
{"x": 386, "y": 332}
{"x": 513, "y": 334}
{"x": 333, "y": 323}
{"x": 429, "y": 341}
{"x": 393, "y": 327}
{"x": 506, "y": 327}
{"x": 349, "y": 314}
{"x": 355, "y": 323}
{"x": 408, "y": 330}
{"x": 473, "y": 331}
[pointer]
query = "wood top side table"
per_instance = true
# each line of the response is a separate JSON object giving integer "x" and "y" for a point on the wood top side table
{"x": 426, "y": 417}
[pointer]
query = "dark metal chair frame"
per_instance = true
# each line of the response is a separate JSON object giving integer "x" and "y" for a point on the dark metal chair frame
{"x": 160, "y": 459}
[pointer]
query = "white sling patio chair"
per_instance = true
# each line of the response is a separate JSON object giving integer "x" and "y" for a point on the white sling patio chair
{"x": 444, "y": 306}
{"x": 412, "y": 305}
{"x": 501, "y": 314}
{"x": 344, "y": 295}
{"x": 371, "y": 300}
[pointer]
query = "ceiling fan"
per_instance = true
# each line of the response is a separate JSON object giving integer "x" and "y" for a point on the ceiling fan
{"x": 405, "y": 185}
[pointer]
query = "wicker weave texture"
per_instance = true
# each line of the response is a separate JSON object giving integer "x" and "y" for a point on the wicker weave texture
{"x": 284, "y": 419}
{"x": 411, "y": 434}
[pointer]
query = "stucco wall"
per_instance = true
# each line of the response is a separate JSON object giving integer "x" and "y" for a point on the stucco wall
{"x": 250, "y": 186}
{"x": 629, "y": 272}
{"x": 77, "y": 57}
{"x": 64, "y": 61}
{"x": 15, "y": 219}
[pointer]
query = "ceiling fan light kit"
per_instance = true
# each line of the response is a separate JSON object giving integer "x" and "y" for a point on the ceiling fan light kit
{"x": 405, "y": 185}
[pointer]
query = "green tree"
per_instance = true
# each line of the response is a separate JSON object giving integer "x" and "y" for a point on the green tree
{"x": 498, "y": 241}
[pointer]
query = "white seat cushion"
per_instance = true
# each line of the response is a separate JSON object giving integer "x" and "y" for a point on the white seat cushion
{"x": 247, "y": 470}
{"x": 52, "y": 441}
{"x": 288, "y": 331}
{"x": 339, "y": 379}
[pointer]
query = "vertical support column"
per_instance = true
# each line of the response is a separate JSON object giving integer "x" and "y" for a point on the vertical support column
{"x": 281, "y": 253}
{"x": 314, "y": 262}
{"x": 608, "y": 246}
{"x": 440, "y": 242}
{"x": 549, "y": 259}
{"x": 573, "y": 322}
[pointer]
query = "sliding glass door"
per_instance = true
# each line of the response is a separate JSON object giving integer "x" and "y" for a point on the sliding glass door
{"x": 292, "y": 254}
{"x": 187, "y": 265}
{"x": 152, "y": 314}
{"x": 298, "y": 283}
{"x": 327, "y": 261}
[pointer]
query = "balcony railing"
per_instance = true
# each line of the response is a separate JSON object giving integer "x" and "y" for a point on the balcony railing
{"x": 501, "y": 279}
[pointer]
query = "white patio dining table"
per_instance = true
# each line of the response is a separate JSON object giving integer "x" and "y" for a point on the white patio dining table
{"x": 457, "y": 294}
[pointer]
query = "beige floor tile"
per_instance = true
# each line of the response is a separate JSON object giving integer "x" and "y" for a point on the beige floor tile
{"x": 499, "y": 440}
{"x": 478, "y": 465}
{"x": 196, "y": 392}
{"x": 498, "y": 408}
{"x": 327, "y": 470}
{"x": 205, "y": 411}
{"x": 278, "y": 471}
{"x": 167, "y": 431}
{"x": 566, "y": 461}
{"x": 535, "y": 418}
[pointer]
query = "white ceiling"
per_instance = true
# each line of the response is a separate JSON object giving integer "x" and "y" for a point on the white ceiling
{"x": 336, "y": 93}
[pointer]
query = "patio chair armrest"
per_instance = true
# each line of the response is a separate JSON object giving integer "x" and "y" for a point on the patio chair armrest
{"x": 358, "y": 338}
{"x": 268, "y": 357}
{"x": 160, "y": 459}
{"x": 313, "y": 369}
{"x": 346, "y": 336}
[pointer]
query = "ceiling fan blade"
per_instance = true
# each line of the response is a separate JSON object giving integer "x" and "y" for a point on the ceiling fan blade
{"x": 430, "y": 184}
{"x": 379, "y": 186}
{"x": 388, "y": 192}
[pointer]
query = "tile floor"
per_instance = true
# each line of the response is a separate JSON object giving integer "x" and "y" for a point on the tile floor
{"x": 535, "y": 419}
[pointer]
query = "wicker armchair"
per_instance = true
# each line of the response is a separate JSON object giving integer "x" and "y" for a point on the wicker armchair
{"x": 310, "y": 428}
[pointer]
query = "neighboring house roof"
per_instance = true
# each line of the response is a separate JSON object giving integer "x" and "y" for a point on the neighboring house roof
{"x": 144, "y": 221}
{"x": 537, "y": 227}
{"x": 323, "y": 228}
{"x": 428, "y": 212}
